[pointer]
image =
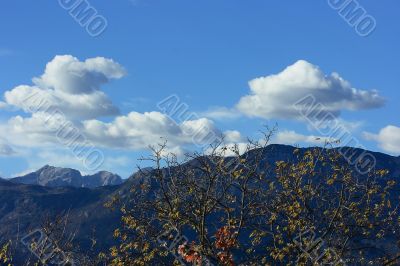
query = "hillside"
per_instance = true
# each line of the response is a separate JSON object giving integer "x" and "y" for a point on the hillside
{"x": 23, "y": 207}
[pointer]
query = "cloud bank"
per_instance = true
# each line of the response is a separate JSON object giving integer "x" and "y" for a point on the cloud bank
{"x": 67, "y": 100}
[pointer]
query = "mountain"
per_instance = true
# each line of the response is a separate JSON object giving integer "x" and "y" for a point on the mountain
{"x": 3, "y": 181}
{"x": 24, "y": 206}
{"x": 102, "y": 178}
{"x": 50, "y": 176}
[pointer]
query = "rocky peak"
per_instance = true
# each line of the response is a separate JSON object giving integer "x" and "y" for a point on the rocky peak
{"x": 50, "y": 176}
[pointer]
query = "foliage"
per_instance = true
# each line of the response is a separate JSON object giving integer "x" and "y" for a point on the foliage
{"x": 242, "y": 209}
{"x": 5, "y": 254}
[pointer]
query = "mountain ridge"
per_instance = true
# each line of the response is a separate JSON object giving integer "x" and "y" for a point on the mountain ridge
{"x": 50, "y": 176}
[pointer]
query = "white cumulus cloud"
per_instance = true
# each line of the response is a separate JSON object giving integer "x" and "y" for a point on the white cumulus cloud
{"x": 388, "y": 138}
{"x": 70, "y": 86}
{"x": 137, "y": 131}
{"x": 233, "y": 136}
{"x": 274, "y": 96}
{"x": 134, "y": 131}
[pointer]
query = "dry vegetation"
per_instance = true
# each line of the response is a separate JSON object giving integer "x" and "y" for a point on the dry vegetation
{"x": 243, "y": 211}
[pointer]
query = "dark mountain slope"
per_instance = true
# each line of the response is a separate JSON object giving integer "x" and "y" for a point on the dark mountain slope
{"x": 24, "y": 208}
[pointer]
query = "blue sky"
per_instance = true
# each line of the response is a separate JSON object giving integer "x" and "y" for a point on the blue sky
{"x": 204, "y": 52}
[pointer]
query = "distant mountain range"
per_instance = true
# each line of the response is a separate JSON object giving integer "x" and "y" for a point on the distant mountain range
{"x": 50, "y": 176}
{"x": 26, "y": 200}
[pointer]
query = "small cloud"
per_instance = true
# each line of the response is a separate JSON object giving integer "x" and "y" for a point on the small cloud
{"x": 233, "y": 136}
{"x": 219, "y": 113}
{"x": 388, "y": 139}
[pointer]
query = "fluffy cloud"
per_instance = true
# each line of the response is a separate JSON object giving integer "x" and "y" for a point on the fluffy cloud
{"x": 273, "y": 96}
{"x": 137, "y": 131}
{"x": 388, "y": 138}
{"x": 134, "y": 131}
{"x": 69, "y": 75}
{"x": 36, "y": 131}
{"x": 232, "y": 141}
{"x": 70, "y": 86}
{"x": 233, "y": 136}
{"x": 230, "y": 149}
{"x": 3, "y": 105}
